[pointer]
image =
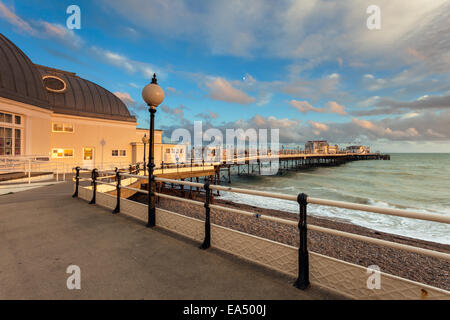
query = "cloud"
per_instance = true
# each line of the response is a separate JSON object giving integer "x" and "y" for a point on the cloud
{"x": 369, "y": 102}
{"x": 314, "y": 89}
{"x": 208, "y": 115}
{"x": 14, "y": 19}
{"x": 318, "y": 127}
{"x": 305, "y": 106}
{"x": 125, "y": 97}
{"x": 221, "y": 89}
{"x": 42, "y": 29}
{"x": 176, "y": 113}
{"x": 334, "y": 107}
{"x": 311, "y": 32}
{"x": 60, "y": 33}
{"x": 391, "y": 106}
{"x": 172, "y": 91}
{"x": 123, "y": 62}
{"x": 426, "y": 127}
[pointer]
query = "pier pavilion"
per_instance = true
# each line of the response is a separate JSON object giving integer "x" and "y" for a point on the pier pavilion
{"x": 55, "y": 115}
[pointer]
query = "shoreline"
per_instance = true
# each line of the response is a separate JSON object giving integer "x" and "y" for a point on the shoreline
{"x": 420, "y": 268}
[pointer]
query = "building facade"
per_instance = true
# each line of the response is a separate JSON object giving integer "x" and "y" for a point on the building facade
{"x": 316, "y": 147}
{"x": 56, "y": 115}
{"x": 358, "y": 149}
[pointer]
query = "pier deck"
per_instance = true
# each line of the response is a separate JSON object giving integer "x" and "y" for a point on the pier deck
{"x": 223, "y": 170}
{"x": 43, "y": 231}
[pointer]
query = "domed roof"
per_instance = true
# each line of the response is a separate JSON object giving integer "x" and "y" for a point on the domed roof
{"x": 19, "y": 78}
{"x": 61, "y": 91}
{"x": 69, "y": 94}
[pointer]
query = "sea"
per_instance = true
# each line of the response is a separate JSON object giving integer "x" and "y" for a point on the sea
{"x": 418, "y": 182}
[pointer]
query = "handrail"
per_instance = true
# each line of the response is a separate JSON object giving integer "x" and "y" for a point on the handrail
{"x": 339, "y": 204}
{"x": 390, "y": 244}
{"x": 302, "y": 199}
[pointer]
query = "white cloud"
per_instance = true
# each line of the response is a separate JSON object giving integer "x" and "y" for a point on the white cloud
{"x": 221, "y": 89}
{"x": 305, "y": 106}
{"x": 14, "y": 19}
{"x": 319, "y": 126}
{"x": 123, "y": 62}
{"x": 311, "y": 31}
{"x": 334, "y": 107}
{"x": 125, "y": 97}
{"x": 42, "y": 29}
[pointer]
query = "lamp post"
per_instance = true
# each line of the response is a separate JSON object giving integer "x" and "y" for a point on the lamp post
{"x": 153, "y": 95}
{"x": 144, "y": 141}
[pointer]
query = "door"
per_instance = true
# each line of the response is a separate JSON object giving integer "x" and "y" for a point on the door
{"x": 88, "y": 158}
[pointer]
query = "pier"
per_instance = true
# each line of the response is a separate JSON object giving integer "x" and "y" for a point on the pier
{"x": 217, "y": 171}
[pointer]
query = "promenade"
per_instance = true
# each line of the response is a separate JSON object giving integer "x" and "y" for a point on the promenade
{"x": 44, "y": 230}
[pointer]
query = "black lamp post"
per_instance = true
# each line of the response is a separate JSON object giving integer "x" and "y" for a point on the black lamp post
{"x": 153, "y": 95}
{"x": 144, "y": 141}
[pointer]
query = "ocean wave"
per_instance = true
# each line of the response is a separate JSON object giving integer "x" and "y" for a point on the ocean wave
{"x": 419, "y": 229}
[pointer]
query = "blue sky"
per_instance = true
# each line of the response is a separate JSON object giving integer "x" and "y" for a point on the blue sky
{"x": 309, "y": 68}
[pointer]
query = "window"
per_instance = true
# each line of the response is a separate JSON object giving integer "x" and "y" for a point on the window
{"x": 57, "y": 127}
{"x": 10, "y": 134}
{"x": 119, "y": 153}
{"x": 17, "y": 141}
{"x": 54, "y": 84}
{"x": 88, "y": 154}
{"x": 68, "y": 128}
{"x": 62, "y": 153}
{"x": 62, "y": 127}
{"x": 6, "y": 141}
{"x": 6, "y": 117}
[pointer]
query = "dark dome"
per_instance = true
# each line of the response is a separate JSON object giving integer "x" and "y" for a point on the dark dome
{"x": 19, "y": 78}
{"x": 69, "y": 94}
{"x": 61, "y": 91}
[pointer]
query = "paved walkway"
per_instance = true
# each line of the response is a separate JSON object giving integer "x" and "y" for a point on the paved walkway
{"x": 44, "y": 230}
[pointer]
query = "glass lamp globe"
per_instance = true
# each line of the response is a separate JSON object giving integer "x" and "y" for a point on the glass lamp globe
{"x": 152, "y": 93}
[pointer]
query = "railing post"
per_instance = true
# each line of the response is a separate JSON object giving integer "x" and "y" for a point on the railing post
{"x": 302, "y": 281}
{"x": 77, "y": 182}
{"x": 118, "y": 178}
{"x": 94, "y": 176}
{"x": 207, "y": 241}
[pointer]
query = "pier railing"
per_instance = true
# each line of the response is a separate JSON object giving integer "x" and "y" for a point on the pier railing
{"x": 302, "y": 269}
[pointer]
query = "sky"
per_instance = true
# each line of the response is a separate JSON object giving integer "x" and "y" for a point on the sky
{"x": 310, "y": 68}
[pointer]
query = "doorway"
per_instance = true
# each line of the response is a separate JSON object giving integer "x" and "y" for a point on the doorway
{"x": 88, "y": 158}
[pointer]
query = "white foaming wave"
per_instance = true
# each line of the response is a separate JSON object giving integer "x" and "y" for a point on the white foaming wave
{"x": 413, "y": 228}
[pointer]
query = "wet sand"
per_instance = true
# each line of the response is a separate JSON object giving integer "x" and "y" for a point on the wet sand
{"x": 424, "y": 269}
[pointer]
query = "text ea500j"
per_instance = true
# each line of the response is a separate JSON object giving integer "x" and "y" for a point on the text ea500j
{"x": 231, "y": 309}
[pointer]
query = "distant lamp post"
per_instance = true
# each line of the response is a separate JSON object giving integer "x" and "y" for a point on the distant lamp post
{"x": 153, "y": 95}
{"x": 144, "y": 141}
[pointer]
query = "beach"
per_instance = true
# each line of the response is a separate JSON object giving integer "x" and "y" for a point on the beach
{"x": 420, "y": 268}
